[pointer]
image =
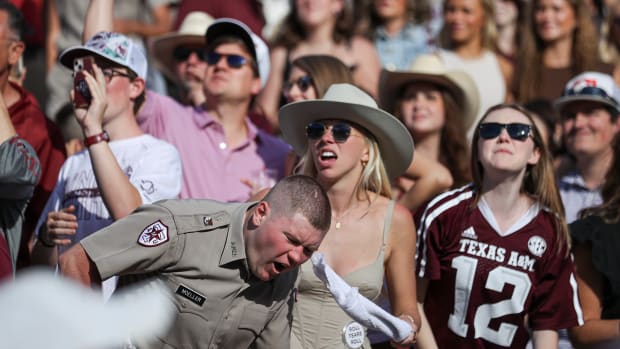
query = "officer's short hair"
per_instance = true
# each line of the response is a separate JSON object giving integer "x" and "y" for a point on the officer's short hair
{"x": 301, "y": 194}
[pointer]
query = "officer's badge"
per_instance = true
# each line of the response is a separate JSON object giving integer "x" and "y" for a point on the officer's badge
{"x": 154, "y": 235}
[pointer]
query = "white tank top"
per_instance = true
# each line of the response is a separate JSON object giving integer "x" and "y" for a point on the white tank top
{"x": 487, "y": 75}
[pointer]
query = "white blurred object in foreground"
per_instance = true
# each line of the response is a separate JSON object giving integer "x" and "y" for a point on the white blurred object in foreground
{"x": 41, "y": 310}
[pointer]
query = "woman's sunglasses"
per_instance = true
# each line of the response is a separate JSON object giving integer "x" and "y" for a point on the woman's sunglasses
{"x": 516, "y": 131}
{"x": 181, "y": 54}
{"x": 233, "y": 61}
{"x": 340, "y": 131}
{"x": 303, "y": 83}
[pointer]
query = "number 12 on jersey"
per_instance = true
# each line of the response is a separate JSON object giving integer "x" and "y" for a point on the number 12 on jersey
{"x": 500, "y": 276}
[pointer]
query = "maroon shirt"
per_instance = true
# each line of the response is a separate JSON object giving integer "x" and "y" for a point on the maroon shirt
{"x": 483, "y": 285}
{"x": 32, "y": 125}
{"x": 249, "y": 12}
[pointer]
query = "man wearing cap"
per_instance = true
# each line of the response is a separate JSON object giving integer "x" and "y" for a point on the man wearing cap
{"x": 230, "y": 266}
{"x": 181, "y": 57}
{"x": 223, "y": 153}
{"x": 589, "y": 116}
{"x": 121, "y": 168}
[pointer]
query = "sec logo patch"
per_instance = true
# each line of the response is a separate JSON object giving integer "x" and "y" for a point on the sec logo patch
{"x": 537, "y": 245}
{"x": 154, "y": 235}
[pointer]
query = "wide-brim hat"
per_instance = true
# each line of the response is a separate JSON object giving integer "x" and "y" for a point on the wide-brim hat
{"x": 429, "y": 68}
{"x": 257, "y": 47}
{"x": 593, "y": 87}
{"x": 348, "y": 103}
{"x": 191, "y": 33}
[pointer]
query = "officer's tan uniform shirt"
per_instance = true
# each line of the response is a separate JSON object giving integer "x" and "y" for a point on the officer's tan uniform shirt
{"x": 196, "y": 247}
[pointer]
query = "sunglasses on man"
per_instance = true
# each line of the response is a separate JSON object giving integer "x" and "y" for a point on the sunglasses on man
{"x": 516, "y": 131}
{"x": 181, "y": 53}
{"x": 233, "y": 60}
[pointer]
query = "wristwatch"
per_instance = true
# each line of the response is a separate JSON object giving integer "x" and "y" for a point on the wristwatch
{"x": 94, "y": 139}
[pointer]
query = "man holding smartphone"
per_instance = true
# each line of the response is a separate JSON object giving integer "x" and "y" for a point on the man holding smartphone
{"x": 121, "y": 168}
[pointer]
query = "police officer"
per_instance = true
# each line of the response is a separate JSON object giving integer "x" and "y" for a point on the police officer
{"x": 226, "y": 263}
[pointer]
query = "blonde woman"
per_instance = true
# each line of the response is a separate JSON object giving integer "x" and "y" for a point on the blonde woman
{"x": 353, "y": 148}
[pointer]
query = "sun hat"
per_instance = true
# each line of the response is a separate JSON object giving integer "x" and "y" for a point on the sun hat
{"x": 348, "y": 103}
{"x": 67, "y": 315}
{"x": 590, "y": 86}
{"x": 256, "y": 45}
{"x": 191, "y": 33}
{"x": 111, "y": 46}
{"x": 430, "y": 68}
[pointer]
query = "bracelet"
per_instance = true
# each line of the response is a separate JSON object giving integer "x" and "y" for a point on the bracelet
{"x": 410, "y": 318}
{"x": 45, "y": 242}
{"x": 98, "y": 138}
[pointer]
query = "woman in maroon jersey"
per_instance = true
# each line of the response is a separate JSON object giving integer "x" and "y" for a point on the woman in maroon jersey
{"x": 493, "y": 257}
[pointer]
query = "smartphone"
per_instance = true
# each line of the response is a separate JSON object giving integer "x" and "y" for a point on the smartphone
{"x": 81, "y": 94}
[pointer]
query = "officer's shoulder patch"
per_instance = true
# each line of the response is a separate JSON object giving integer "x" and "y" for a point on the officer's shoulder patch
{"x": 154, "y": 235}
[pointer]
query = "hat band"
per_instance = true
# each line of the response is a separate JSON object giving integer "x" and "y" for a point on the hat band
{"x": 590, "y": 91}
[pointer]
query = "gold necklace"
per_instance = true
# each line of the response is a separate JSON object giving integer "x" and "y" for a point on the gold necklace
{"x": 338, "y": 219}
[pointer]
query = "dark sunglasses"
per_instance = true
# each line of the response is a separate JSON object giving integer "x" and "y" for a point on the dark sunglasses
{"x": 340, "y": 131}
{"x": 590, "y": 91}
{"x": 516, "y": 131}
{"x": 233, "y": 61}
{"x": 303, "y": 83}
{"x": 181, "y": 54}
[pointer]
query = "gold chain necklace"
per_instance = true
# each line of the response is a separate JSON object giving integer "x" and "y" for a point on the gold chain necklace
{"x": 338, "y": 219}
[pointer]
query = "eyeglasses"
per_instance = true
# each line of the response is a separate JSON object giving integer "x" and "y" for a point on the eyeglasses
{"x": 516, "y": 131}
{"x": 303, "y": 83}
{"x": 340, "y": 131}
{"x": 590, "y": 91}
{"x": 181, "y": 53}
{"x": 108, "y": 74}
{"x": 233, "y": 61}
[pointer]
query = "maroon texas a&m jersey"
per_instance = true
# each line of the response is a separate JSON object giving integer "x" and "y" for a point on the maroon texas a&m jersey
{"x": 483, "y": 285}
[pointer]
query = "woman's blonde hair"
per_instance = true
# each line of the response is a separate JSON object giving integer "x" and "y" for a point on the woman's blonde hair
{"x": 489, "y": 30}
{"x": 539, "y": 180}
{"x": 374, "y": 176}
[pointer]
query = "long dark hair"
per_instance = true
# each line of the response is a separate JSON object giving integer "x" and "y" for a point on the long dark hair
{"x": 539, "y": 181}
{"x": 609, "y": 210}
{"x": 292, "y": 32}
{"x": 583, "y": 55}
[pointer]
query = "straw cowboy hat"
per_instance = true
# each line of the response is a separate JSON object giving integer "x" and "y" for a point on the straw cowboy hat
{"x": 430, "y": 68}
{"x": 348, "y": 103}
{"x": 191, "y": 32}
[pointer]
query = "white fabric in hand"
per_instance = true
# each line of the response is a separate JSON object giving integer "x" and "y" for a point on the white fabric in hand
{"x": 360, "y": 308}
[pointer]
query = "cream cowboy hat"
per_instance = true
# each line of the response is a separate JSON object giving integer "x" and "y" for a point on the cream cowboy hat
{"x": 191, "y": 32}
{"x": 349, "y": 103}
{"x": 430, "y": 68}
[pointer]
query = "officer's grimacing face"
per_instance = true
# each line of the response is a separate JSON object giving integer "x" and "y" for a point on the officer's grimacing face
{"x": 280, "y": 244}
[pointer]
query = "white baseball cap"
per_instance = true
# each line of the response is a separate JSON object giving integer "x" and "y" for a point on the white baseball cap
{"x": 111, "y": 46}
{"x": 590, "y": 86}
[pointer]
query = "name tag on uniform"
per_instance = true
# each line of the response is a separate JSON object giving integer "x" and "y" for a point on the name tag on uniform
{"x": 192, "y": 295}
{"x": 353, "y": 335}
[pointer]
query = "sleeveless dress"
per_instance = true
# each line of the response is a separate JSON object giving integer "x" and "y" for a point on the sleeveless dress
{"x": 318, "y": 321}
